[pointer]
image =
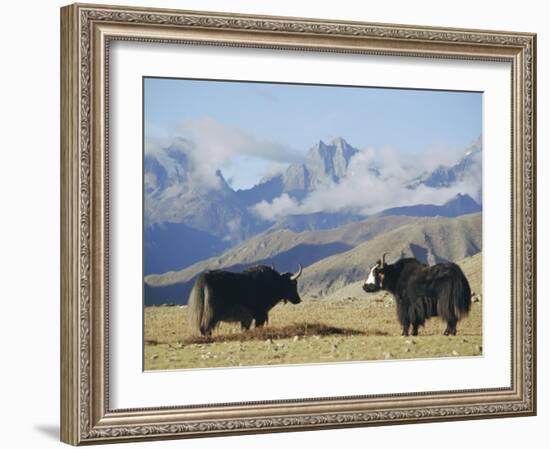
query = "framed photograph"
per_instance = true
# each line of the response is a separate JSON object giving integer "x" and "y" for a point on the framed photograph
{"x": 279, "y": 224}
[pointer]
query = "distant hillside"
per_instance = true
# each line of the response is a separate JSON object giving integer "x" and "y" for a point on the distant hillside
{"x": 285, "y": 249}
{"x": 430, "y": 240}
{"x": 458, "y": 205}
{"x": 473, "y": 269}
{"x": 187, "y": 246}
{"x": 268, "y": 247}
{"x": 316, "y": 221}
{"x": 333, "y": 258}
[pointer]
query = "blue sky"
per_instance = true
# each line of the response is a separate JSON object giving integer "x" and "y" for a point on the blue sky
{"x": 295, "y": 117}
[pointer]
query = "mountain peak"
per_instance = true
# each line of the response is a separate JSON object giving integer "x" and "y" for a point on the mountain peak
{"x": 319, "y": 145}
{"x": 342, "y": 146}
{"x": 223, "y": 184}
{"x": 339, "y": 141}
{"x": 459, "y": 197}
{"x": 329, "y": 163}
{"x": 463, "y": 200}
{"x": 467, "y": 169}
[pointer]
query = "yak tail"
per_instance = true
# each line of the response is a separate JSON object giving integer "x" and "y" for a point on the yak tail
{"x": 199, "y": 306}
{"x": 455, "y": 299}
{"x": 462, "y": 296}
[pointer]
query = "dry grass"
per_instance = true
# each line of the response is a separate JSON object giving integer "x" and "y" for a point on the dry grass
{"x": 319, "y": 331}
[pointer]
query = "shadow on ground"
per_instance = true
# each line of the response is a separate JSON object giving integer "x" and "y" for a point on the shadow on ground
{"x": 300, "y": 330}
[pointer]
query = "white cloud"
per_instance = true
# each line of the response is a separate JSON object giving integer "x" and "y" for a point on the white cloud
{"x": 215, "y": 144}
{"x": 435, "y": 156}
{"x": 210, "y": 145}
{"x": 280, "y": 206}
{"x": 363, "y": 192}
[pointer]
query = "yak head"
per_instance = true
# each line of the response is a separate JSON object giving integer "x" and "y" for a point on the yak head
{"x": 289, "y": 286}
{"x": 375, "y": 280}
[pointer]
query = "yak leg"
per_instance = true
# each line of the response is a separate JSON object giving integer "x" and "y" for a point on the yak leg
{"x": 246, "y": 323}
{"x": 246, "y": 320}
{"x": 206, "y": 328}
{"x": 415, "y": 325}
{"x": 406, "y": 325}
{"x": 451, "y": 328}
{"x": 261, "y": 319}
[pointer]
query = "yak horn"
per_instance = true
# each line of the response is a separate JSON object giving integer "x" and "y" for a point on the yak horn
{"x": 297, "y": 275}
{"x": 273, "y": 266}
{"x": 384, "y": 259}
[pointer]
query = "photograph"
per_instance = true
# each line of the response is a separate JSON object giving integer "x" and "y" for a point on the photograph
{"x": 288, "y": 223}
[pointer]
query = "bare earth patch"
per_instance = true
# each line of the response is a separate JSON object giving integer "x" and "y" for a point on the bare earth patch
{"x": 316, "y": 331}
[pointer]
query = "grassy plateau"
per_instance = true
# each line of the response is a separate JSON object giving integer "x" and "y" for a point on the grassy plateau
{"x": 314, "y": 331}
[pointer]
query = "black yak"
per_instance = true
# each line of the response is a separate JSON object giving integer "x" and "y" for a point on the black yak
{"x": 421, "y": 291}
{"x": 239, "y": 297}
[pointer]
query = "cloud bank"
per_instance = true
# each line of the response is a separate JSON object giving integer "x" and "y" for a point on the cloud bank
{"x": 211, "y": 145}
{"x": 376, "y": 179}
{"x": 365, "y": 192}
{"x": 215, "y": 144}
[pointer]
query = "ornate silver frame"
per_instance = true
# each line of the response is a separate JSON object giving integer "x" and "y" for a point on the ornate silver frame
{"x": 86, "y": 32}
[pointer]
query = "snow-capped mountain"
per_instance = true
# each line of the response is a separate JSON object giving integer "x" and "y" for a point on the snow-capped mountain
{"x": 329, "y": 163}
{"x": 175, "y": 195}
{"x": 467, "y": 170}
{"x": 181, "y": 208}
{"x": 325, "y": 164}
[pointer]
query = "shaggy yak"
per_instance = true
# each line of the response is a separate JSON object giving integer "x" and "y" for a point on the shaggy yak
{"x": 421, "y": 291}
{"x": 239, "y": 297}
